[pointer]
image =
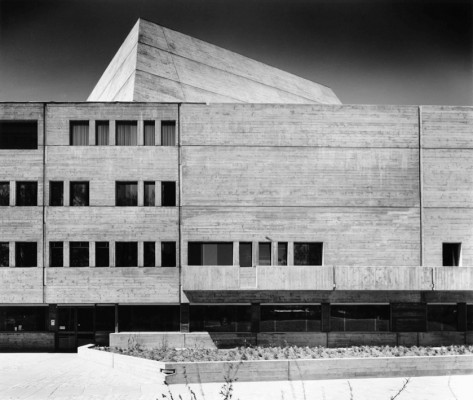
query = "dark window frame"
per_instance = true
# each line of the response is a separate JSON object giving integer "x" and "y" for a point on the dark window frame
{"x": 78, "y": 248}
{"x": 121, "y": 202}
{"x": 5, "y": 198}
{"x": 318, "y": 258}
{"x": 168, "y": 194}
{"x": 241, "y": 254}
{"x": 149, "y": 123}
{"x": 164, "y": 139}
{"x": 120, "y": 246}
{"x": 102, "y": 247}
{"x": 73, "y": 123}
{"x": 171, "y": 260}
{"x": 102, "y": 123}
{"x": 4, "y": 254}
{"x": 196, "y": 250}
{"x": 451, "y": 254}
{"x": 56, "y": 260}
{"x": 55, "y": 202}
{"x": 24, "y": 202}
{"x": 87, "y": 193}
{"x": 25, "y": 262}
{"x": 148, "y": 184}
{"x": 24, "y": 133}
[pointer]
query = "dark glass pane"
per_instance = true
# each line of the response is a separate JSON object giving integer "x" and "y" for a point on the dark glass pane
{"x": 194, "y": 253}
{"x": 148, "y": 318}
{"x": 79, "y": 133}
{"x": 127, "y": 194}
{"x": 362, "y": 318}
{"x": 282, "y": 253}
{"x": 4, "y": 254}
{"x": 18, "y": 135}
{"x": 4, "y": 193}
{"x": 168, "y": 254}
{"x": 66, "y": 319}
{"x": 246, "y": 250}
{"x": 442, "y": 317}
{"x": 26, "y": 193}
{"x": 168, "y": 194}
{"x": 149, "y": 199}
{"x": 293, "y": 318}
{"x": 149, "y": 133}
{"x": 56, "y": 193}
{"x": 149, "y": 254}
{"x": 210, "y": 253}
{"x": 105, "y": 318}
{"x": 220, "y": 318}
{"x": 126, "y": 133}
{"x": 79, "y": 194}
{"x": 469, "y": 317}
{"x": 79, "y": 254}
{"x": 264, "y": 254}
{"x": 26, "y": 254}
{"x": 23, "y": 318}
{"x": 126, "y": 254}
{"x": 308, "y": 253}
{"x": 451, "y": 253}
{"x": 168, "y": 133}
{"x": 102, "y": 254}
{"x": 101, "y": 133}
{"x": 56, "y": 254}
{"x": 85, "y": 319}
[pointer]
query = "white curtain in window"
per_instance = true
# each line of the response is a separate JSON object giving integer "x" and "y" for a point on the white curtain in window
{"x": 168, "y": 133}
{"x": 80, "y": 134}
{"x": 149, "y": 134}
{"x": 127, "y": 134}
{"x": 102, "y": 134}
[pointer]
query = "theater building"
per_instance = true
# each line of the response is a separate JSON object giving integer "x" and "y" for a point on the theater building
{"x": 203, "y": 193}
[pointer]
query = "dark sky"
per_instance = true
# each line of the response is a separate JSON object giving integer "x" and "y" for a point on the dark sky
{"x": 368, "y": 52}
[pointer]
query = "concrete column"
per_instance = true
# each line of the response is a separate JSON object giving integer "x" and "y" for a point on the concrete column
{"x": 92, "y": 133}
{"x": 141, "y": 191}
{"x": 274, "y": 253}
{"x": 157, "y": 133}
{"x": 66, "y": 254}
{"x": 325, "y": 317}
{"x": 157, "y": 254}
{"x": 91, "y": 254}
{"x": 140, "y": 254}
{"x": 290, "y": 253}
{"x": 116, "y": 319}
{"x": 140, "y": 132}
{"x": 255, "y": 317}
{"x": 67, "y": 196}
{"x": 112, "y": 253}
{"x": 236, "y": 253}
{"x": 184, "y": 317}
{"x": 157, "y": 193}
{"x": 112, "y": 133}
{"x": 254, "y": 255}
{"x": 12, "y": 193}
{"x": 11, "y": 254}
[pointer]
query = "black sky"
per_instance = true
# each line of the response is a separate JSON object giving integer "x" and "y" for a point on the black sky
{"x": 368, "y": 52}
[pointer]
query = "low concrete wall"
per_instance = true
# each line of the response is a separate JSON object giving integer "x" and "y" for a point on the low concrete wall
{"x": 206, "y": 340}
{"x": 21, "y": 341}
{"x": 277, "y": 370}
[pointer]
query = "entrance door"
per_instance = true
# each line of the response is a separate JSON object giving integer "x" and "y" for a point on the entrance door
{"x": 75, "y": 327}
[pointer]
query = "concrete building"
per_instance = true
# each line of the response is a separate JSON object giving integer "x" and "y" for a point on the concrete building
{"x": 198, "y": 190}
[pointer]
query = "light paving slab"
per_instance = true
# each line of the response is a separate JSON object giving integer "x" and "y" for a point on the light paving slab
{"x": 65, "y": 376}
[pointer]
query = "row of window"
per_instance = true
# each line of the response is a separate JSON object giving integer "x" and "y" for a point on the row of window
{"x": 23, "y": 135}
{"x": 126, "y": 193}
{"x": 126, "y": 254}
{"x": 218, "y": 318}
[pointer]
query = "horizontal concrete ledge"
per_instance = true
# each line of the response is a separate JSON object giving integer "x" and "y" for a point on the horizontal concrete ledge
{"x": 281, "y": 370}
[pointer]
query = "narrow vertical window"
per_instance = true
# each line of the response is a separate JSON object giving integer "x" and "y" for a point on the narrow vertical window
{"x": 149, "y": 259}
{"x": 79, "y": 194}
{"x": 126, "y": 194}
{"x": 4, "y": 193}
{"x": 4, "y": 254}
{"x": 56, "y": 193}
{"x": 56, "y": 254}
{"x": 79, "y": 254}
{"x": 126, "y": 254}
{"x": 168, "y": 254}
{"x": 148, "y": 133}
{"x": 79, "y": 133}
{"x": 282, "y": 253}
{"x": 27, "y": 193}
{"x": 451, "y": 254}
{"x": 168, "y": 194}
{"x": 264, "y": 253}
{"x": 26, "y": 254}
{"x": 246, "y": 252}
{"x": 102, "y": 129}
{"x": 102, "y": 254}
{"x": 149, "y": 194}
{"x": 168, "y": 133}
{"x": 126, "y": 133}
{"x": 308, "y": 253}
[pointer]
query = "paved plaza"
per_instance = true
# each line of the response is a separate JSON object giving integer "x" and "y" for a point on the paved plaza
{"x": 65, "y": 376}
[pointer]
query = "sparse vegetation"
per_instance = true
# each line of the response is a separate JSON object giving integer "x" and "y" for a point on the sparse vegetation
{"x": 167, "y": 354}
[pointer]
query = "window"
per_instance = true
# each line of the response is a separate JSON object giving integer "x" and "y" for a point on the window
{"x": 264, "y": 257}
{"x": 56, "y": 193}
{"x": 282, "y": 253}
{"x": 308, "y": 253}
{"x": 79, "y": 194}
{"x": 168, "y": 194}
{"x": 361, "y": 318}
{"x": 126, "y": 134}
{"x": 220, "y": 318}
{"x": 4, "y": 254}
{"x": 149, "y": 194}
{"x": 18, "y": 135}
{"x": 168, "y": 254}
{"x": 126, "y": 194}
{"x": 79, "y": 254}
{"x": 79, "y": 133}
{"x": 293, "y": 318}
{"x": 56, "y": 254}
{"x": 23, "y": 318}
{"x": 469, "y": 317}
{"x": 26, "y": 254}
{"x": 451, "y": 254}
{"x": 148, "y": 318}
{"x": 168, "y": 133}
{"x": 149, "y": 133}
{"x": 442, "y": 317}
{"x": 126, "y": 254}
{"x": 4, "y": 193}
{"x": 149, "y": 259}
{"x": 102, "y": 133}
{"x": 210, "y": 253}
{"x": 246, "y": 254}
{"x": 26, "y": 193}
{"x": 102, "y": 254}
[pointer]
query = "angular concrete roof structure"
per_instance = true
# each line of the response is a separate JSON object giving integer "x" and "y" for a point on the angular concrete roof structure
{"x": 157, "y": 64}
